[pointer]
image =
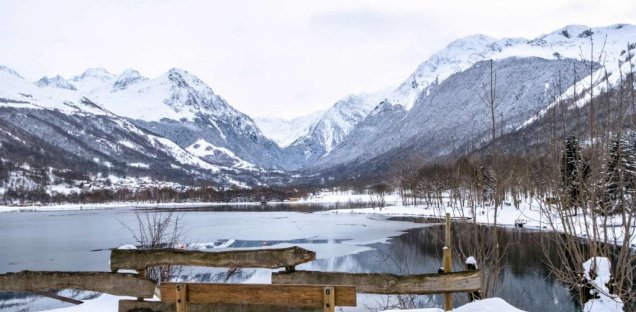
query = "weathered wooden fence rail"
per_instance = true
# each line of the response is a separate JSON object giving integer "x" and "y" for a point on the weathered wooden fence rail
{"x": 303, "y": 296}
{"x": 137, "y": 259}
{"x": 381, "y": 283}
{"x": 105, "y": 282}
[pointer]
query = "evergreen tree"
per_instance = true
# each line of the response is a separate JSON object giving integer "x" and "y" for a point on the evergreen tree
{"x": 573, "y": 172}
{"x": 620, "y": 177}
{"x": 488, "y": 180}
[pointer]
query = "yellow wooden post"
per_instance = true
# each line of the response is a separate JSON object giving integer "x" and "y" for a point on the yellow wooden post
{"x": 329, "y": 294}
{"x": 448, "y": 263}
{"x": 181, "y": 297}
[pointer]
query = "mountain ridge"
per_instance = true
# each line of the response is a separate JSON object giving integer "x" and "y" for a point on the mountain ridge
{"x": 179, "y": 118}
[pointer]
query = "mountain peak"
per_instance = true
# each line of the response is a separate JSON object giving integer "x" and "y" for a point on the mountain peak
{"x": 55, "y": 82}
{"x": 183, "y": 79}
{"x": 182, "y": 76}
{"x": 126, "y": 78}
{"x": 98, "y": 73}
{"x": 130, "y": 72}
{"x": 177, "y": 70}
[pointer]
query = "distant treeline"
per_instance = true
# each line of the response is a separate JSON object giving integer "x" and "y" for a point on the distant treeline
{"x": 155, "y": 195}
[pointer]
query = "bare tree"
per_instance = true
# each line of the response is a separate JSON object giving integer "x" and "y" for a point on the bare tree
{"x": 155, "y": 230}
{"x": 600, "y": 230}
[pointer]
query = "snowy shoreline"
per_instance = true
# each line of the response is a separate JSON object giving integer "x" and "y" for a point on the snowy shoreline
{"x": 120, "y": 205}
{"x": 508, "y": 217}
{"x": 114, "y": 205}
{"x": 325, "y": 199}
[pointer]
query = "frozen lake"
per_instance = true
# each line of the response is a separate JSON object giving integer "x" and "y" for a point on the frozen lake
{"x": 81, "y": 241}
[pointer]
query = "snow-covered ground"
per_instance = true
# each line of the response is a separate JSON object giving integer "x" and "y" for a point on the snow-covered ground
{"x": 531, "y": 213}
{"x": 103, "y": 303}
{"x": 486, "y": 305}
{"x": 334, "y": 197}
{"x": 598, "y": 272}
{"x": 321, "y": 198}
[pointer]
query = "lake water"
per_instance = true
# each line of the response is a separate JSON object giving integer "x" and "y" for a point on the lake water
{"x": 81, "y": 241}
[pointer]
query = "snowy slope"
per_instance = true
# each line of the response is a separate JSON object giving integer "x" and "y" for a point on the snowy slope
{"x": 430, "y": 123}
{"x": 337, "y": 122}
{"x": 327, "y": 131}
{"x": 91, "y": 79}
{"x": 220, "y": 155}
{"x": 567, "y": 42}
{"x": 286, "y": 131}
{"x": 175, "y": 95}
{"x": 457, "y": 56}
{"x": 18, "y": 92}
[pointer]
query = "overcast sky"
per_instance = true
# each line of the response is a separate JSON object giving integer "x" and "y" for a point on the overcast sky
{"x": 272, "y": 58}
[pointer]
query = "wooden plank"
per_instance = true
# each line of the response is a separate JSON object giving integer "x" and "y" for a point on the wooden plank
{"x": 139, "y": 259}
{"x": 181, "y": 297}
{"x": 329, "y": 295}
{"x": 382, "y": 283}
{"x": 104, "y": 282}
{"x": 284, "y": 295}
{"x": 159, "y": 306}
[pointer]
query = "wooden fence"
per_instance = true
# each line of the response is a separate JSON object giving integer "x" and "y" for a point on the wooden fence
{"x": 290, "y": 290}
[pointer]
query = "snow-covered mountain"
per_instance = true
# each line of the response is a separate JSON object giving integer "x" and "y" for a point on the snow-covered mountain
{"x": 327, "y": 131}
{"x": 54, "y": 124}
{"x": 286, "y": 131}
{"x": 459, "y": 55}
{"x": 175, "y": 125}
{"x": 453, "y": 112}
{"x": 179, "y": 106}
{"x": 49, "y": 125}
{"x": 127, "y": 78}
{"x": 433, "y": 109}
{"x": 174, "y": 95}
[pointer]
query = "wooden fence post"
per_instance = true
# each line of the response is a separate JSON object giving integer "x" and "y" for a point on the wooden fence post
{"x": 448, "y": 263}
{"x": 181, "y": 297}
{"x": 329, "y": 294}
